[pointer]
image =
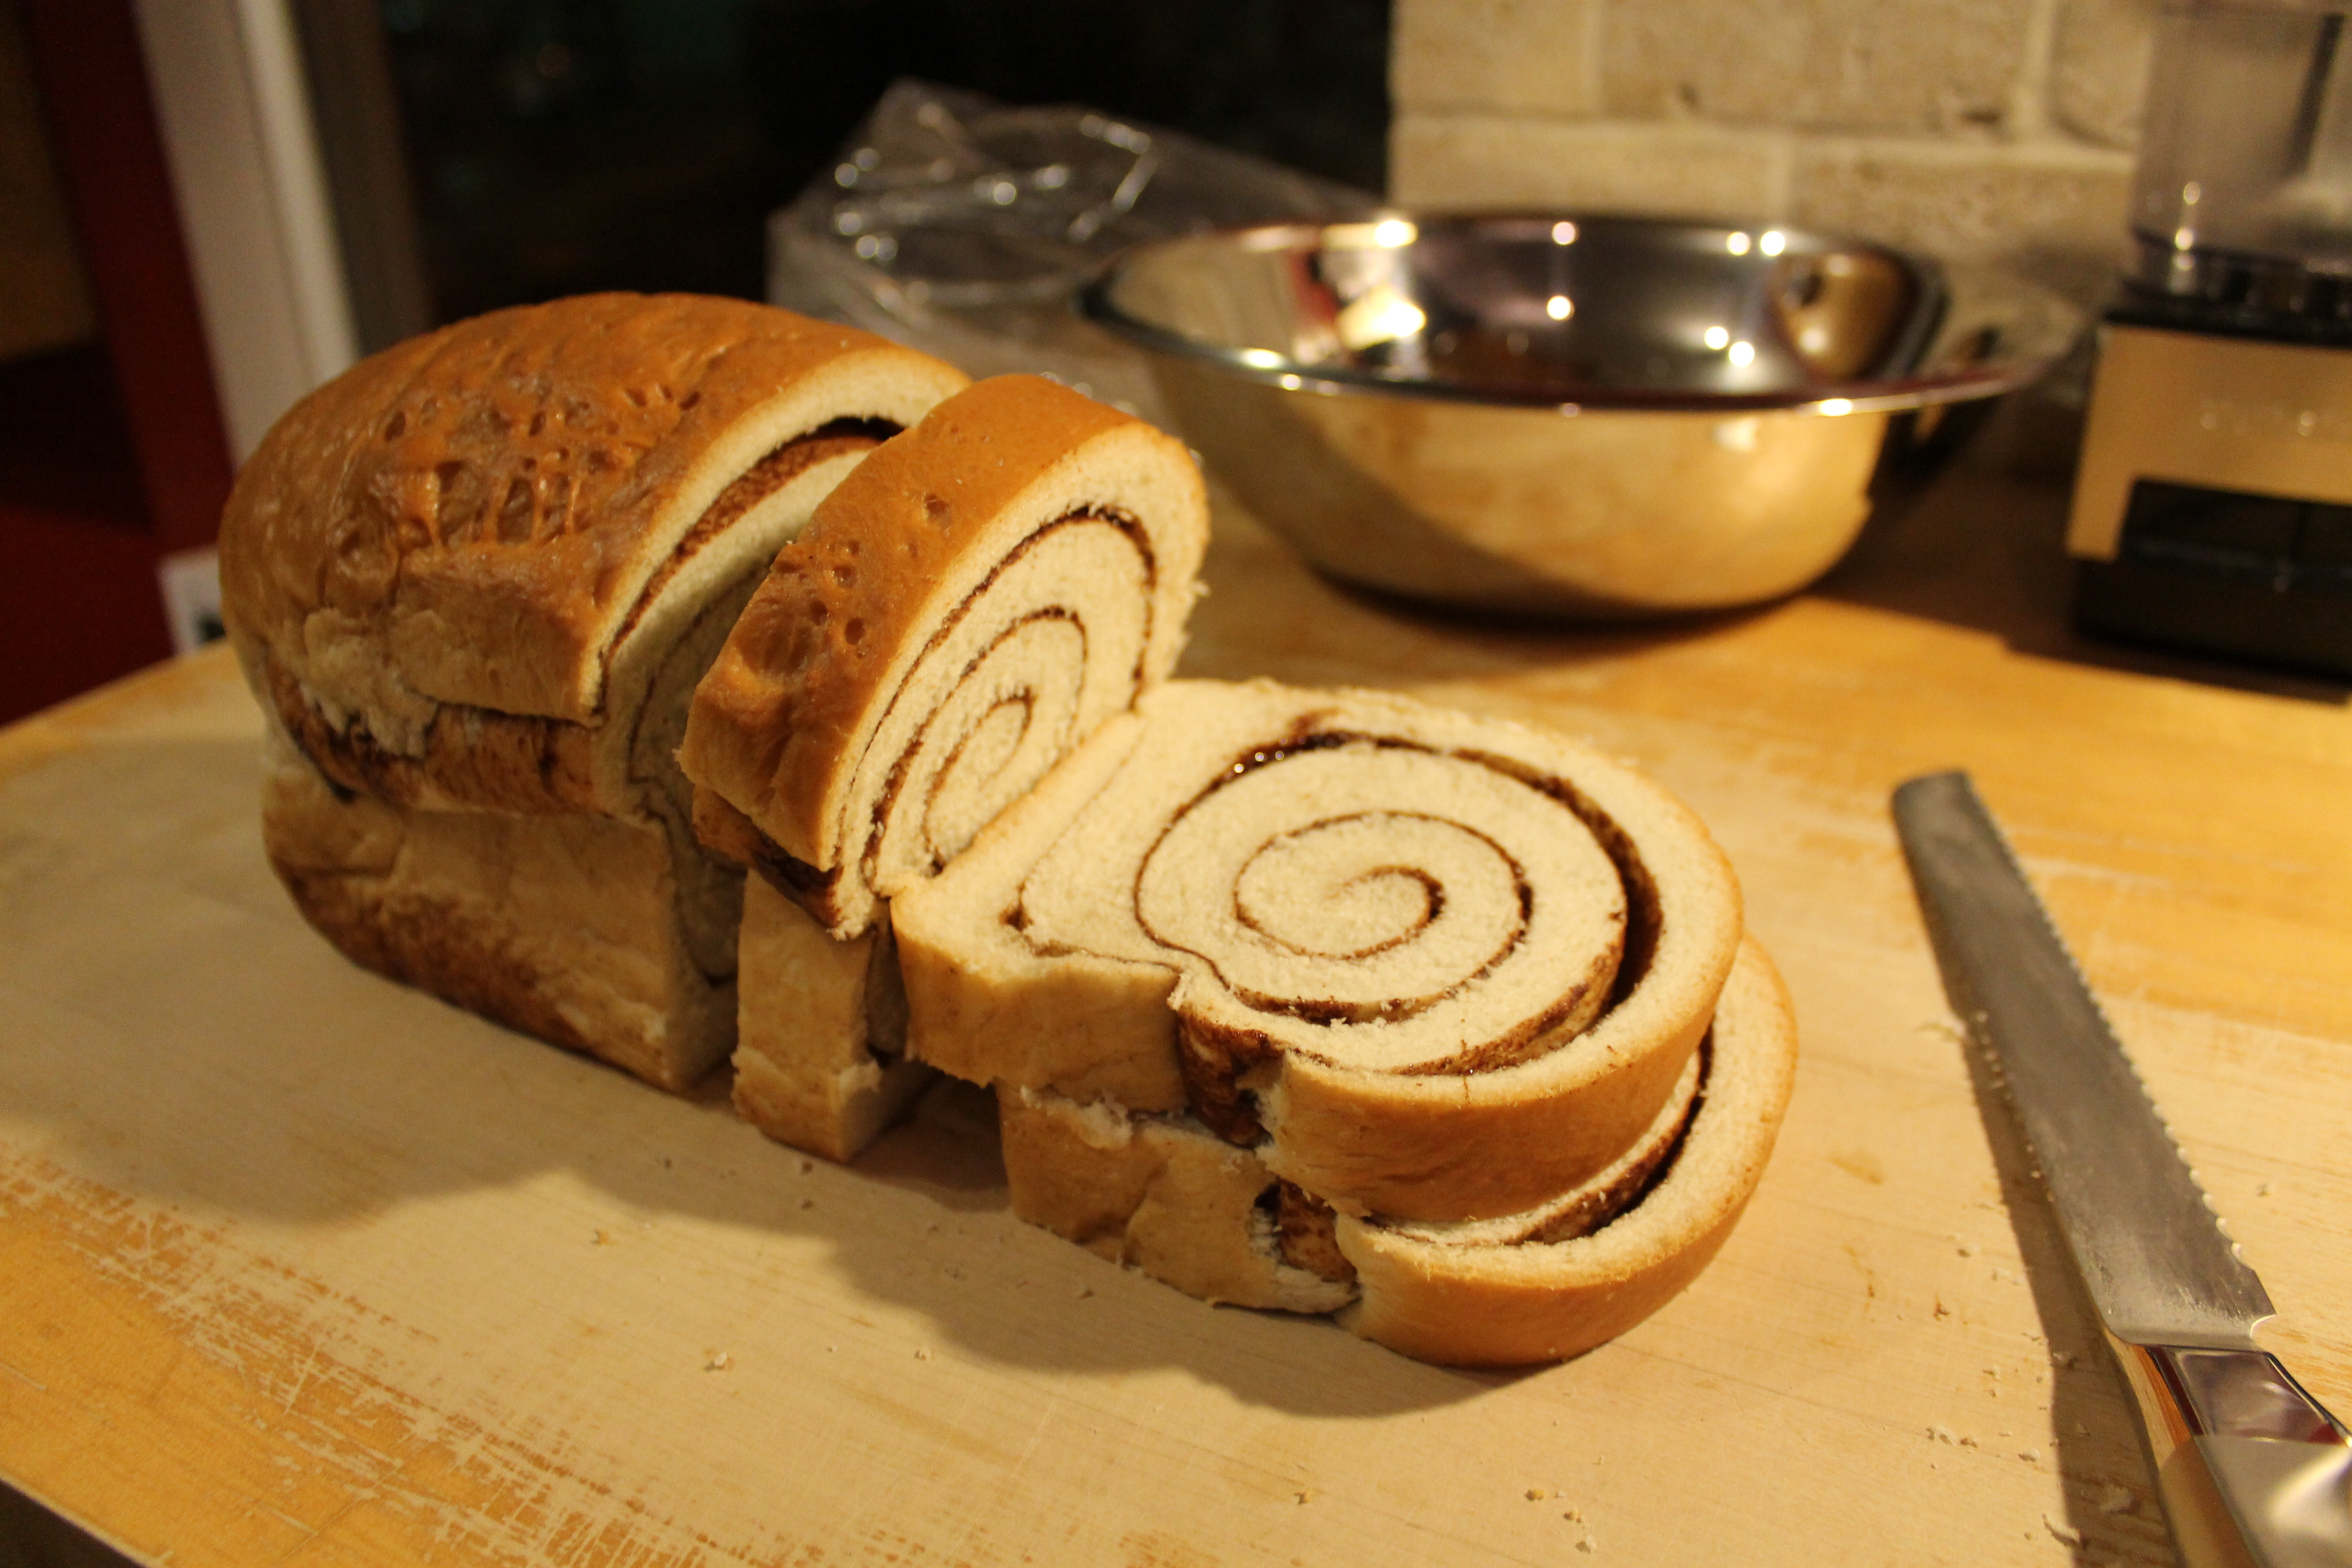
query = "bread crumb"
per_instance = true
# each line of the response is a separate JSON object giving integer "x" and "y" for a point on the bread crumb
{"x": 1967, "y": 1249}
{"x": 2261, "y": 1189}
{"x": 808, "y": 1202}
{"x": 1300, "y": 1498}
{"x": 598, "y": 1238}
{"x": 1084, "y": 1291}
{"x": 1967, "y": 1442}
{"x": 719, "y": 1362}
{"x": 1574, "y": 1516}
{"x": 1536, "y": 1494}
{"x": 1941, "y": 1434}
{"x": 2030, "y": 1456}
{"x": 2065, "y": 1533}
{"x": 1942, "y": 1310}
{"x": 923, "y": 1352}
{"x": 1586, "y": 1545}
{"x": 2114, "y": 1499}
{"x": 807, "y": 1165}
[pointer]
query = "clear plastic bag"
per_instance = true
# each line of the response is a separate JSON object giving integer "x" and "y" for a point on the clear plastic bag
{"x": 962, "y": 226}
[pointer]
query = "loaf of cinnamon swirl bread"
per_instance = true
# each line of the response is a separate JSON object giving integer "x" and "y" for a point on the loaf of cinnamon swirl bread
{"x": 1163, "y": 1193}
{"x": 979, "y": 596}
{"x": 1424, "y": 965}
{"x": 474, "y": 580}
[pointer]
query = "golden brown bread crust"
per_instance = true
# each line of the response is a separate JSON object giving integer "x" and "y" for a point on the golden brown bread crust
{"x": 474, "y": 518}
{"x": 785, "y": 698}
{"x": 1539, "y": 1301}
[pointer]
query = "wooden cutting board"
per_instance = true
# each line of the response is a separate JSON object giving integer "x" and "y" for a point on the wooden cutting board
{"x": 296, "y": 1267}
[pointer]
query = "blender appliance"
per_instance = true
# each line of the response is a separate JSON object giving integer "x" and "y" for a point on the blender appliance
{"x": 2214, "y": 507}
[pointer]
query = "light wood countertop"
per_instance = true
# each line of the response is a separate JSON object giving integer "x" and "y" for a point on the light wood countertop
{"x": 296, "y": 1267}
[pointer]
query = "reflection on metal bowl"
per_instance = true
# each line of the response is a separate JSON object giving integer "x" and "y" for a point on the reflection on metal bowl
{"x": 1568, "y": 415}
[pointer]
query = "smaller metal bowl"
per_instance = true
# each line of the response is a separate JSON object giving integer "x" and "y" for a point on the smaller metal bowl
{"x": 1597, "y": 416}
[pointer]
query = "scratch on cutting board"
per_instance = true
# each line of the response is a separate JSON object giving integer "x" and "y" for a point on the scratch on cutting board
{"x": 301, "y": 1379}
{"x": 441, "y": 1478}
{"x": 312, "y": 1533}
{"x": 973, "y": 1529}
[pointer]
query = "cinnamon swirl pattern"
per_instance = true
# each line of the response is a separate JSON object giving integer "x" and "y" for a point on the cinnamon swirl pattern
{"x": 978, "y": 597}
{"x": 983, "y": 592}
{"x": 1051, "y": 642}
{"x": 1487, "y": 1300}
{"x": 1425, "y": 965}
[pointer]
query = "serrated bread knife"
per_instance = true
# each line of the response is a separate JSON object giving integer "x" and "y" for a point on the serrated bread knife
{"x": 2250, "y": 1469}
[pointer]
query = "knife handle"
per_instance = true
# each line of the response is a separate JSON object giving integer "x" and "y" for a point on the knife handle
{"x": 2252, "y": 1472}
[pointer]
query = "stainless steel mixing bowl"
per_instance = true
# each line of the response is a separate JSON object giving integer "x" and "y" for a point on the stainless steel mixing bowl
{"x": 1571, "y": 415}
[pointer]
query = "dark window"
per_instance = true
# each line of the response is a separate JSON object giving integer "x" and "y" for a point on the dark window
{"x": 558, "y": 146}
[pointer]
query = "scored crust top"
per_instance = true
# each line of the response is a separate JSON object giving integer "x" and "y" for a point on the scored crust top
{"x": 472, "y": 517}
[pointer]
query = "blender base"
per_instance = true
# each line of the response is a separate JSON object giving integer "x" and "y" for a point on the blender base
{"x": 2213, "y": 508}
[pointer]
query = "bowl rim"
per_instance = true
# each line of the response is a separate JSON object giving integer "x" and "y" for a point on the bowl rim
{"x": 1988, "y": 377}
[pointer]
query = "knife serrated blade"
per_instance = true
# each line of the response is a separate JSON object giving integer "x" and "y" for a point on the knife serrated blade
{"x": 2250, "y": 1469}
{"x": 2138, "y": 1226}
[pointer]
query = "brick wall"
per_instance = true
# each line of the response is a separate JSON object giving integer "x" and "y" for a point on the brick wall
{"x": 1974, "y": 130}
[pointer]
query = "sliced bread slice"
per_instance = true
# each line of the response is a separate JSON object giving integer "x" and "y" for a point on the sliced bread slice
{"x": 1428, "y": 965}
{"x": 979, "y": 596}
{"x": 1162, "y": 1192}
